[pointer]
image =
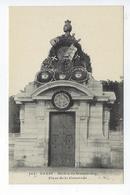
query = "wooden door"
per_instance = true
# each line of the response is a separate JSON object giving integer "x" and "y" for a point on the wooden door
{"x": 62, "y": 139}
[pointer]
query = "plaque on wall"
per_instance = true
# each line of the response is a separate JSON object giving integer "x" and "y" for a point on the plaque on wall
{"x": 62, "y": 100}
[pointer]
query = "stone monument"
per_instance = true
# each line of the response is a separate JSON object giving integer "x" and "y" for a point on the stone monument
{"x": 64, "y": 112}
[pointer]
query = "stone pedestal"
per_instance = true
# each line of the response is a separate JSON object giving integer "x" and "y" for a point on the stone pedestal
{"x": 92, "y": 144}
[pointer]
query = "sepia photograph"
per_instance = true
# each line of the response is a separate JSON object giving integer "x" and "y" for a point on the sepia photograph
{"x": 66, "y": 95}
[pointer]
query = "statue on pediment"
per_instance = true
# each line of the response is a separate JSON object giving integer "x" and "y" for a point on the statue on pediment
{"x": 66, "y": 59}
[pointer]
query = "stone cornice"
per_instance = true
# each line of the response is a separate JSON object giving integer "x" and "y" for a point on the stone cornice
{"x": 89, "y": 94}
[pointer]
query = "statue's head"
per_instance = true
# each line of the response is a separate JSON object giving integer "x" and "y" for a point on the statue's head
{"x": 67, "y": 27}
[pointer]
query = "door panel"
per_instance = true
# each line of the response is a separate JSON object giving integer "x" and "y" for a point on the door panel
{"x": 62, "y": 139}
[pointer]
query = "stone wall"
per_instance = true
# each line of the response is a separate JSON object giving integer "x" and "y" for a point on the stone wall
{"x": 94, "y": 145}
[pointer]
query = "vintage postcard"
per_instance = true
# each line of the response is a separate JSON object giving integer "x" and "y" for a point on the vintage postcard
{"x": 66, "y": 95}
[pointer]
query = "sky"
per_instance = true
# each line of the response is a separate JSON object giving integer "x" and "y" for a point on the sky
{"x": 31, "y": 28}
